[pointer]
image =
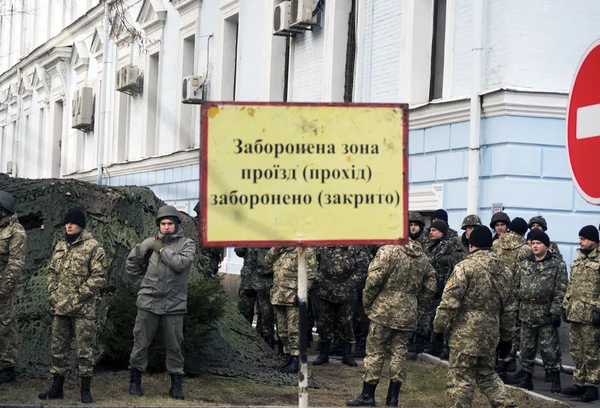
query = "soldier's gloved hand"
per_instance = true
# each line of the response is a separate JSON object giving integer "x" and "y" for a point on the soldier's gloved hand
{"x": 596, "y": 318}
{"x": 157, "y": 245}
{"x": 555, "y": 320}
{"x": 503, "y": 349}
{"x": 564, "y": 317}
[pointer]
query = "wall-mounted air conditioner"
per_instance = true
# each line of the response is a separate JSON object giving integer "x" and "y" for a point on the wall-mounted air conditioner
{"x": 82, "y": 109}
{"x": 193, "y": 89}
{"x": 281, "y": 19}
{"x": 130, "y": 80}
{"x": 301, "y": 14}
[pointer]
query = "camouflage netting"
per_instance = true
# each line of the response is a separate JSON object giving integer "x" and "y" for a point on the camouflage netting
{"x": 120, "y": 217}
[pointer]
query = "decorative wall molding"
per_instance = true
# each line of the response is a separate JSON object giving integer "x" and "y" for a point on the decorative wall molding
{"x": 426, "y": 199}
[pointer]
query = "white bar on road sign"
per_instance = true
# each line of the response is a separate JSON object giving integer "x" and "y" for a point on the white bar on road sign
{"x": 588, "y": 121}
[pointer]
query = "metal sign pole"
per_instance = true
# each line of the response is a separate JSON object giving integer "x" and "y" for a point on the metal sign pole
{"x": 302, "y": 314}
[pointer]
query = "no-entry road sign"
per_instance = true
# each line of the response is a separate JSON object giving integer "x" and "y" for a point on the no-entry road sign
{"x": 583, "y": 125}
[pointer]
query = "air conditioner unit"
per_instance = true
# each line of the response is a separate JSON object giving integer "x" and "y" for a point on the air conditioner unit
{"x": 282, "y": 18}
{"x": 193, "y": 89}
{"x": 301, "y": 14}
{"x": 82, "y": 114}
{"x": 130, "y": 80}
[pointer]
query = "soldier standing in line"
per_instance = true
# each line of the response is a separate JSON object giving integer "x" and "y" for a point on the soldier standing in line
{"x": 416, "y": 224}
{"x": 442, "y": 215}
{"x": 499, "y": 223}
{"x": 75, "y": 277}
{"x": 341, "y": 270}
{"x": 539, "y": 222}
{"x": 13, "y": 246}
{"x": 541, "y": 285}
{"x": 476, "y": 306}
{"x": 246, "y": 295}
{"x": 284, "y": 262}
{"x": 159, "y": 267}
{"x": 360, "y": 319}
{"x": 470, "y": 222}
{"x": 400, "y": 285}
{"x": 582, "y": 306}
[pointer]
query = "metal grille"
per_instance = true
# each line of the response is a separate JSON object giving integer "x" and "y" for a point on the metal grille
{"x": 350, "y": 54}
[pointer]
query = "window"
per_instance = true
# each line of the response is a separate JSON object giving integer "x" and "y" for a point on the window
{"x": 40, "y": 144}
{"x": 187, "y": 118}
{"x": 230, "y": 57}
{"x": 350, "y": 54}
{"x": 56, "y": 140}
{"x": 152, "y": 117}
{"x": 437, "y": 50}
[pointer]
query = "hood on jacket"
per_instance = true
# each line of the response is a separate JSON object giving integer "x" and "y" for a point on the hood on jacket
{"x": 412, "y": 249}
{"x": 489, "y": 260}
{"x": 511, "y": 241}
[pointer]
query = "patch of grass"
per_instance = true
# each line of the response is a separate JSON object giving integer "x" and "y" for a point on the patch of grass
{"x": 424, "y": 387}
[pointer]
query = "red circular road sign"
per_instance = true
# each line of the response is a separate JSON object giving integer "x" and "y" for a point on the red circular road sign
{"x": 583, "y": 125}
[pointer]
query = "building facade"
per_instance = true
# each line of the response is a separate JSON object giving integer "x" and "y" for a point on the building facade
{"x": 487, "y": 83}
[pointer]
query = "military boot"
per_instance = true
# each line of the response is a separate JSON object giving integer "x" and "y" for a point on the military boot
{"x": 86, "y": 395}
{"x": 359, "y": 349}
{"x": 56, "y": 391}
{"x": 590, "y": 394}
{"x": 336, "y": 347}
{"x": 392, "y": 396}
{"x": 515, "y": 379}
{"x": 347, "y": 356}
{"x": 573, "y": 391}
{"x": 135, "y": 382}
{"x": 285, "y": 363}
{"x": 7, "y": 375}
{"x": 323, "y": 357}
{"x": 292, "y": 367}
{"x": 526, "y": 382}
{"x": 176, "y": 391}
{"x": 366, "y": 398}
{"x": 548, "y": 376}
{"x": 556, "y": 387}
{"x": 511, "y": 367}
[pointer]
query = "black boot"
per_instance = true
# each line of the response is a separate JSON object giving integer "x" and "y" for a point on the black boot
{"x": 548, "y": 376}
{"x": 502, "y": 373}
{"x": 285, "y": 363}
{"x": 86, "y": 395}
{"x": 347, "y": 356}
{"x": 573, "y": 391}
{"x": 393, "y": 391}
{"x": 292, "y": 367}
{"x": 512, "y": 366}
{"x": 323, "y": 357}
{"x": 56, "y": 391}
{"x": 176, "y": 392}
{"x": 359, "y": 349}
{"x": 515, "y": 379}
{"x": 590, "y": 394}
{"x": 336, "y": 347}
{"x": 7, "y": 375}
{"x": 366, "y": 398}
{"x": 555, "y": 389}
{"x": 135, "y": 382}
{"x": 526, "y": 382}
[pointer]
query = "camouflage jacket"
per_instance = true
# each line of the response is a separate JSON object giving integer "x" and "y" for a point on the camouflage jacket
{"x": 583, "y": 291}
{"x": 541, "y": 287}
{"x": 400, "y": 286}
{"x": 477, "y": 305}
{"x": 442, "y": 257}
{"x": 284, "y": 263}
{"x": 254, "y": 274}
{"x": 461, "y": 244}
{"x": 13, "y": 246}
{"x": 554, "y": 249}
{"x": 341, "y": 270}
{"x": 512, "y": 249}
{"x": 76, "y": 275}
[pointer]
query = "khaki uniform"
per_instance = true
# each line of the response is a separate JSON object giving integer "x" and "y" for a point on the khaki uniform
{"x": 13, "y": 246}
{"x": 400, "y": 286}
{"x": 75, "y": 276}
{"x": 581, "y": 301}
{"x": 476, "y": 311}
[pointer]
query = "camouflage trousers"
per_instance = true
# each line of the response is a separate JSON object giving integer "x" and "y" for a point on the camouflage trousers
{"x": 266, "y": 317}
{"x": 547, "y": 335}
{"x": 146, "y": 324}
{"x": 465, "y": 372}
{"x": 9, "y": 345}
{"x": 360, "y": 319}
{"x": 585, "y": 349}
{"x": 379, "y": 338}
{"x": 334, "y": 316}
{"x": 246, "y": 304}
{"x": 65, "y": 330}
{"x": 288, "y": 323}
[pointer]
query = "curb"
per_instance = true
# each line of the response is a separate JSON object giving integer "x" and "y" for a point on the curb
{"x": 567, "y": 369}
{"x": 534, "y": 395}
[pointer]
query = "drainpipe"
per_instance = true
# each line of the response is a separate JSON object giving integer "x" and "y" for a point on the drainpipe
{"x": 104, "y": 108}
{"x": 475, "y": 111}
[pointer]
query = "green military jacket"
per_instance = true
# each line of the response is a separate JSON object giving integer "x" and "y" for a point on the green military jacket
{"x": 442, "y": 256}
{"x": 341, "y": 270}
{"x": 400, "y": 286}
{"x": 477, "y": 305}
{"x": 512, "y": 249}
{"x": 254, "y": 273}
{"x": 541, "y": 287}
{"x": 583, "y": 291}
{"x": 75, "y": 276}
{"x": 284, "y": 263}
{"x": 13, "y": 246}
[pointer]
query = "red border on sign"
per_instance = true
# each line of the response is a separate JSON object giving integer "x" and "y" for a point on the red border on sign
{"x": 203, "y": 234}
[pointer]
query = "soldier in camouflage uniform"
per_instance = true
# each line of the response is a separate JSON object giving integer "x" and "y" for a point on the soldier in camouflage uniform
{"x": 361, "y": 320}
{"x": 284, "y": 263}
{"x": 539, "y": 222}
{"x": 400, "y": 285}
{"x": 246, "y": 295}
{"x": 470, "y": 222}
{"x": 216, "y": 254}
{"x": 258, "y": 281}
{"x": 499, "y": 223}
{"x": 541, "y": 285}
{"x": 13, "y": 246}
{"x": 476, "y": 307}
{"x": 75, "y": 277}
{"x": 341, "y": 270}
{"x": 416, "y": 224}
{"x": 582, "y": 305}
{"x": 442, "y": 215}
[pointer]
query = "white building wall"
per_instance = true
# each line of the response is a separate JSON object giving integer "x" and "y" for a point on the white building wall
{"x": 249, "y": 82}
{"x": 307, "y": 66}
